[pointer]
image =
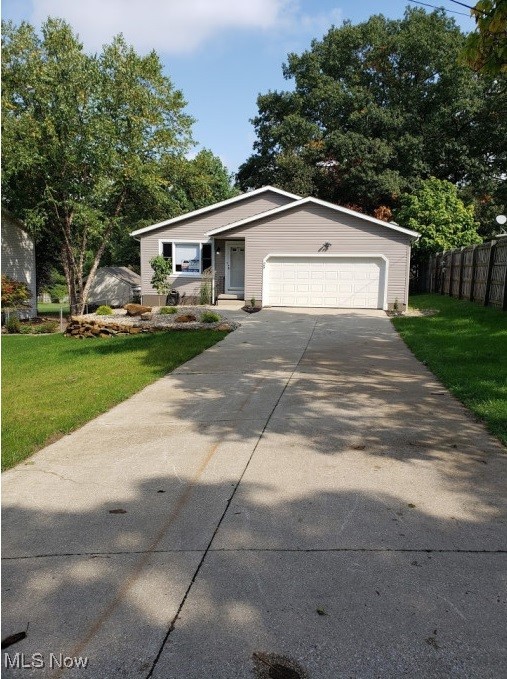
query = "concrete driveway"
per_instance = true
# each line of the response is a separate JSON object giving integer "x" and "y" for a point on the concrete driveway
{"x": 302, "y": 500}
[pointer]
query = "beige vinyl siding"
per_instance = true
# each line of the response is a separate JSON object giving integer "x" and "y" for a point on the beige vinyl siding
{"x": 305, "y": 229}
{"x": 194, "y": 229}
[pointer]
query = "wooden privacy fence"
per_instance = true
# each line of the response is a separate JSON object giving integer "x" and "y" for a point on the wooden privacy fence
{"x": 477, "y": 273}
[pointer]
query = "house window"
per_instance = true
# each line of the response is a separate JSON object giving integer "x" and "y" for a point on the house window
{"x": 187, "y": 258}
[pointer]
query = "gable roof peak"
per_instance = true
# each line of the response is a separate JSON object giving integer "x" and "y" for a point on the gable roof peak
{"x": 313, "y": 201}
{"x": 216, "y": 206}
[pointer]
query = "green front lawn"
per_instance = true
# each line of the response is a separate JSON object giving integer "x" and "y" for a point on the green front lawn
{"x": 52, "y": 384}
{"x": 465, "y": 346}
{"x": 52, "y": 309}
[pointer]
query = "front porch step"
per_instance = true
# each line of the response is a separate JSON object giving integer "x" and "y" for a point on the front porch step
{"x": 230, "y": 303}
{"x": 229, "y": 297}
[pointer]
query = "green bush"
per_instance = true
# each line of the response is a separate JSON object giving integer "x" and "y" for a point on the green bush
{"x": 210, "y": 317}
{"x": 44, "y": 328}
{"x": 168, "y": 310}
{"x": 13, "y": 325}
{"x": 205, "y": 293}
{"x": 104, "y": 310}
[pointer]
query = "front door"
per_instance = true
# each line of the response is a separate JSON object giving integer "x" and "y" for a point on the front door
{"x": 235, "y": 267}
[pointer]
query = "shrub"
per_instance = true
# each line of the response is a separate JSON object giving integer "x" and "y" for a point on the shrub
{"x": 168, "y": 310}
{"x": 162, "y": 268}
{"x": 205, "y": 293}
{"x": 15, "y": 294}
{"x": 12, "y": 324}
{"x": 104, "y": 310}
{"x": 210, "y": 317}
{"x": 44, "y": 328}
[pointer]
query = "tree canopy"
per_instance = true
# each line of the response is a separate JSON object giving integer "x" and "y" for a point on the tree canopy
{"x": 486, "y": 48}
{"x": 90, "y": 144}
{"x": 375, "y": 108}
{"x": 437, "y": 212}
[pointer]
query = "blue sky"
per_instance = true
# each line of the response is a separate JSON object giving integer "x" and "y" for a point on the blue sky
{"x": 220, "y": 53}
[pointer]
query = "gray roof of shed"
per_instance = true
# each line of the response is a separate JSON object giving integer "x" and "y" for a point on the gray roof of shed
{"x": 122, "y": 273}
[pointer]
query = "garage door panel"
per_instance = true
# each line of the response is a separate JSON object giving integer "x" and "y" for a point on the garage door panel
{"x": 326, "y": 282}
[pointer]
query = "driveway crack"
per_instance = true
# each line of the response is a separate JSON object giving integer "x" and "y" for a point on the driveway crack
{"x": 229, "y": 501}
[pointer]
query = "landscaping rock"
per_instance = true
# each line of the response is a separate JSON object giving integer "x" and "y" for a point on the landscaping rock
{"x": 185, "y": 318}
{"x": 227, "y": 327}
{"x": 136, "y": 309}
{"x": 147, "y": 316}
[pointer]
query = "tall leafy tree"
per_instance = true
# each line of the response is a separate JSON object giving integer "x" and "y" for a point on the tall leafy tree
{"x": 486, "y": 48}
{"x": 437, "y": 212}
{"x": 191, "y": 184}
{"x": 86, "y": 139}
{"x": 376, "y": 107}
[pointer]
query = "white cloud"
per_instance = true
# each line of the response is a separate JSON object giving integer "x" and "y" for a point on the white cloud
{"x": 168, "y": 26}
{"x": 179, "y": 26}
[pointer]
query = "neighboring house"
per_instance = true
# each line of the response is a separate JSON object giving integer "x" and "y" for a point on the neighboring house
{"x": 282, "y": 250}
{"x": 115, "y": 286}
{"x": 18, "y": 258}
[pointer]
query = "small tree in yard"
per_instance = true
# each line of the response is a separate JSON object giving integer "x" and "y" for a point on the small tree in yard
{"x": 437, "y": 212}
{"x": 15, "y": 295}
{"x": 162, "y": 268}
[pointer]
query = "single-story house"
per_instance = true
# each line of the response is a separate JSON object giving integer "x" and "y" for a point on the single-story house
{"x": 115, "y": 286}
{"x": 282, "y": 250}
{"x": 18, "y": 258}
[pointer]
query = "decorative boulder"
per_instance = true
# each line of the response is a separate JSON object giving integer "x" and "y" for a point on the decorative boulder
{"x": 137, "y": 309}
{"x": 185, "y": 318}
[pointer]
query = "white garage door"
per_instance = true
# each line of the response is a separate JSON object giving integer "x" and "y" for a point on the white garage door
{"x": 349, "y": 282}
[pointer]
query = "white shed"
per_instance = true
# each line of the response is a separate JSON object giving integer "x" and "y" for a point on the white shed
{"x": 115, "y": 286}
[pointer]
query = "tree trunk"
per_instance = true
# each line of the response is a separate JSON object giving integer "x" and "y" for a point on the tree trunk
{"x": 95, "y": 266}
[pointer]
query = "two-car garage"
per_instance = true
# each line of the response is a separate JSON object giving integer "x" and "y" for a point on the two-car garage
{"x": 352, "y": 281}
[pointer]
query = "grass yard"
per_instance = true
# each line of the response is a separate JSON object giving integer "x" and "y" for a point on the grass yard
{"x": 53, "y": 384}
{"x": 52, "y": 309}
{"x": 465, "y": 346}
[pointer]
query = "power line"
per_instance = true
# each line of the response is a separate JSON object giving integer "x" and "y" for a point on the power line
{"x": 456, "y": 2}
{"x": 451, "y": 11}
{"x": 477, "y": 11}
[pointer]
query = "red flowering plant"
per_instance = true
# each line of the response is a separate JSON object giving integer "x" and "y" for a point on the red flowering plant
{"x": 15, "y": 294}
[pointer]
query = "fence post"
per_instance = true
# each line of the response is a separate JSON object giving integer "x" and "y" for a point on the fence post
{"x": 491, "y": 262}
{"x": 460, "y": 286}
{"x": 451, "y": 268}
{"x": 474, "y": 266}
{"x": 443, "y": 273}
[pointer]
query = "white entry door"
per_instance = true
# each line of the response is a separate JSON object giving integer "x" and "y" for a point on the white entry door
{"x": 235, "y": 267}
{"x": 327, "y": 281}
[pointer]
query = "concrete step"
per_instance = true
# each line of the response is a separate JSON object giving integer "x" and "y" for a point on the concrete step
{"x": 230, "y": 303}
